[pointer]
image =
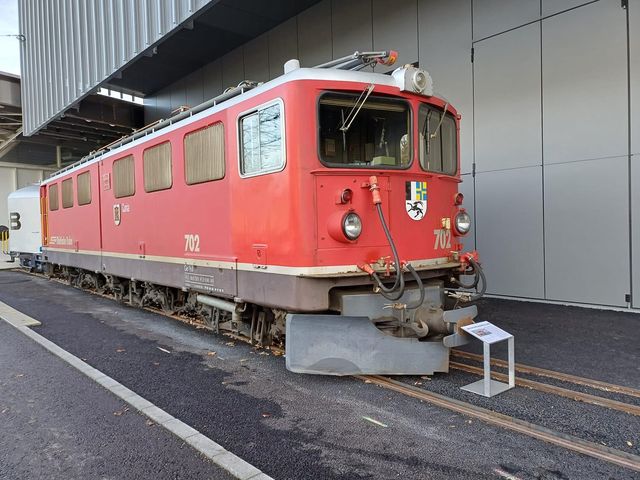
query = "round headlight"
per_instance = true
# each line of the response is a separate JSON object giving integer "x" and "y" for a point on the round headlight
{"x": 419, "y": 81}
{"x": 351, "y": 226}
{"x": 463, "y": 223}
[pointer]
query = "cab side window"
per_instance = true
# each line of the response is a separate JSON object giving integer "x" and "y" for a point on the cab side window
{"x": 261, "y": 141}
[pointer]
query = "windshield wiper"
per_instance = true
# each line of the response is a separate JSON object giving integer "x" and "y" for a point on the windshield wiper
{"x": 346, "y": 123}
{"x": 428, "y": 136}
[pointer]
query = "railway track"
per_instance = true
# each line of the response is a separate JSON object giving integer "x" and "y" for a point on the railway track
{"x": 553, "y": 389}
{"x": 563, "y": 377}
{"x": 570, "y": 442}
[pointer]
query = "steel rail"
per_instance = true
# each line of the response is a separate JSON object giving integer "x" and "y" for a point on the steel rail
{"x": 564, "y": 377}
{"x": 562, "y": 392}
{"x": 570, "y": 442}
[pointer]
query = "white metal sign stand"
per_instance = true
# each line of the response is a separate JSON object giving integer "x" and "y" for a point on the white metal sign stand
{"x": 489, "y": 334}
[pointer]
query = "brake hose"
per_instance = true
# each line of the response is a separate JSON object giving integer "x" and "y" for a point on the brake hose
{"x": 397, "y": 290}
{"x": 479, "y": 277}
{"x": 398, "y": 285}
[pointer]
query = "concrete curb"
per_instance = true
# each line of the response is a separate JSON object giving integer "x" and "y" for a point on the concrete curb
{"x": 210, "y": 449}
{"x": 18, "y": 317}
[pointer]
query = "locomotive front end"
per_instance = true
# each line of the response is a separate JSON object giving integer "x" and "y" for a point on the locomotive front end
{"x": 388, "y": 205}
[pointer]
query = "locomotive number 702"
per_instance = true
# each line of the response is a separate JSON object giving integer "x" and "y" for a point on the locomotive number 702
{"x": 443, "y": 239}
{"x": 191, "y": 242}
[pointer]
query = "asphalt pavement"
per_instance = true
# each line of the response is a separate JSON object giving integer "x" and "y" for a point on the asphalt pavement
{"x": 288, "y": 425}
{"x": 56, "y": 423}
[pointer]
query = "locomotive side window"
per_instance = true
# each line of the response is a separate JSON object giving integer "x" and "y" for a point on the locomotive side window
{"x": 261, "y": 141}
{"x": 438, "y": 141}
{"x": 83, "y": 183}
{"x": 54, "y": 199}
{"x": 204, "y": 154}
{"x": 67, "y": 193}
{"x": 156, "y": 166}
{"x": 124, "y": 179}
{"x": 373, "y": 132}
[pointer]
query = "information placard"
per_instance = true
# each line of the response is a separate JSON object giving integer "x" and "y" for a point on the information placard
{"x": 486, "y": 332}
{"x": 489, "y": 334}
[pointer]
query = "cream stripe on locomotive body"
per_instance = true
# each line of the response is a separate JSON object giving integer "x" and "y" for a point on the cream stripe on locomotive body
{"x": 322, "y": 204}
{"x": 311, "y": 271}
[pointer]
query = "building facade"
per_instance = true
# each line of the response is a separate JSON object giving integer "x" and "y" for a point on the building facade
{"x": 549, "y": 95}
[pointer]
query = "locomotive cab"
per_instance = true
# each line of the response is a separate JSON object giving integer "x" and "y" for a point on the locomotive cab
{"x": 387, "y": 200}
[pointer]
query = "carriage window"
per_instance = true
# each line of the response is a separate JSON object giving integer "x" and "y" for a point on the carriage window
{"x": 370, "y": 134}
{"x": 204, "y": 154}
{"x": 54, "y": 199}
{"x": 67, "y": 193}
{"x": 156, "y": 166}
{"x": 83, "y": 183}
{"x": 262, "y": 148}
{"x": 124, "y": 180}
{"x": 438, "y": 141}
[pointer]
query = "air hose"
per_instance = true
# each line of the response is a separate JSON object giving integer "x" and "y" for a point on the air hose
{"x": 396, "y": 291}
{"x": 479, "y": 277}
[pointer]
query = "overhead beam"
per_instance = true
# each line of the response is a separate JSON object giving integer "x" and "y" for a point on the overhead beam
{"x": 5, "y": 144}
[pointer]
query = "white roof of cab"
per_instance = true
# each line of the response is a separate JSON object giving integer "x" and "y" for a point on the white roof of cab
{"x": 325, "y": 74}
{"x": 27, "y": 192}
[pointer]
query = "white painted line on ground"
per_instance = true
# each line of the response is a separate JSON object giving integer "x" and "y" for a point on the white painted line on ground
{"x": 210, "y": 449}
{"x": 18, "y": 317}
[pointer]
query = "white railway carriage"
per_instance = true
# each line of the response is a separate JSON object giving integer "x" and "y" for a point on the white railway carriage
{"x": 25, "y": 229}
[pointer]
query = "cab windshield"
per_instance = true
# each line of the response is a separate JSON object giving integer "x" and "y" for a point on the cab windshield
{"x": 373, "y": 133}
{"x": 438, "y": 145}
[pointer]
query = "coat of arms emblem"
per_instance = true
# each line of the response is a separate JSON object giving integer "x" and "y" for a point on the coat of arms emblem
{"x": 416, "y": 200}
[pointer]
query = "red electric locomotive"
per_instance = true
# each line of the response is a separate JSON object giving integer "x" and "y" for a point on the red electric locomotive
{"x": 320, "y": 208}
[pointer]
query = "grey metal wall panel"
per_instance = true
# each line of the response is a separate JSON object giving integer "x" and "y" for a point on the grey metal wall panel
{"x": 584, "y": 65}
{"x": 7, "y": 185}
{"x": 587, "y": 231}
{"x": 467, "y": 189}
{"x": 27, "y": 176}
{"x": 315, "y": 44}
{"x": 283, "y": 46}
{"x": 232, "y": 68}
{"x": 635, "y": 225}
{"x": 445, "y": 51}
{"x": 178, "y": 94}
{"x": 551, "y": 7}
{"x": 163, "y": 103}
{"x": 151, "y": 110}
{"x": 506, "y": 88}
{"x": 70, "y": 47}
{"x": 634, "y": 43}
{"x": 395, "y": 27}
{"x": 194, "y": 88}
{"x": 256, "y": 59}
{"x": 212, "y": 79}
{"x": 509, "y": 231}
{"x": 351, "y": 26}
{"x": 495, "y": 16}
